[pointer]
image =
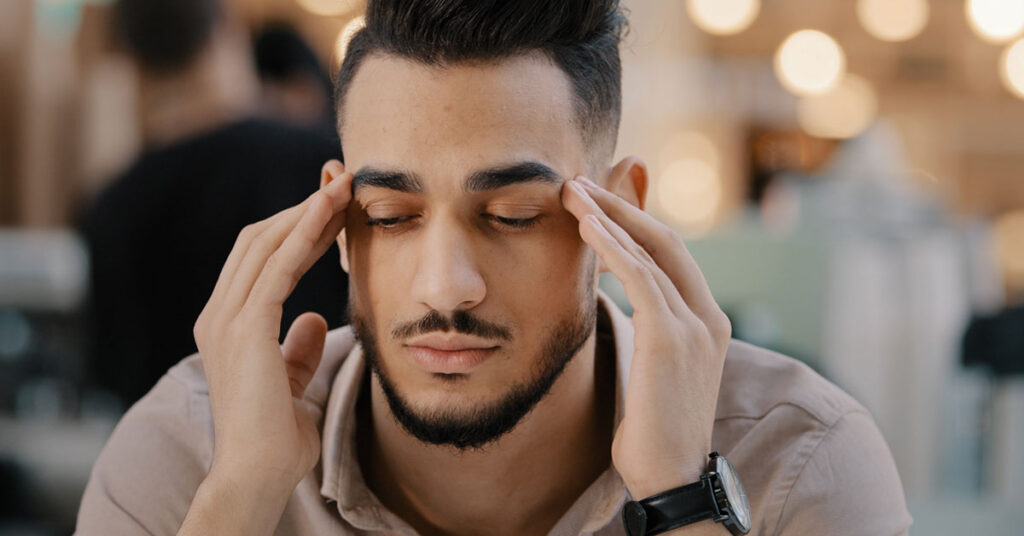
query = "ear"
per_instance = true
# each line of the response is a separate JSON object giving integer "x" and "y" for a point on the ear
{"x": 628, "y": 180}
{"x": 333, "y": 170}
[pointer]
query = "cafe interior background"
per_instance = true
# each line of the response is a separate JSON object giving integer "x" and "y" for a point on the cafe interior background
{"x": 849, "y": 174}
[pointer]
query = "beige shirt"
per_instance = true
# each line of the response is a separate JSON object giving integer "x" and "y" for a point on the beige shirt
{"x": 810, "y": 457}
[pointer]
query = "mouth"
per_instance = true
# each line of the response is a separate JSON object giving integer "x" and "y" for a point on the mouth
{"x": 449, "y": 354}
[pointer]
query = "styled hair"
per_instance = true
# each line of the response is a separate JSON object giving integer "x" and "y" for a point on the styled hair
{"x": 580, "y": 36}
{"x": 165, "y": 35}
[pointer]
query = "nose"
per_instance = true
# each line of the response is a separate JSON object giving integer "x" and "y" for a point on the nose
{"x": 447, "y": 276}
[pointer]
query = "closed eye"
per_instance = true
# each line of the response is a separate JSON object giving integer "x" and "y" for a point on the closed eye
{"x": 398, "y": 221}
{"x": 388, "y": 223}
{"x": 516, "y": 223}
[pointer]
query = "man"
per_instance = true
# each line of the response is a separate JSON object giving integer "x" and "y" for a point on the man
{"x": 492, "y": 390}
{"x": 160, "y": 232}
{"x": 294, "y": 86}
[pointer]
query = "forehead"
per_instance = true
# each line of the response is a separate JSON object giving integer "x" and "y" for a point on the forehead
{"x": 448, "y": 120}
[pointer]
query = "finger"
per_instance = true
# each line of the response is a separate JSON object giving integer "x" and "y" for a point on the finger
{"x": 673, "y": 299}
{"x": 664, "y": 245}
{"x": 336, "y": 195}
{"x": 293, "y": 259}
{"x": 641, "y": 288}
{"x": 302, "y": 349}
{"x": 244, "y": 241}
{"x": 671, "y": 293}
{"x": 306, "y": 243}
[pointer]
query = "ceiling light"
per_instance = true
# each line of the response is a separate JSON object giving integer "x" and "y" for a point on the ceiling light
{"x": 1011, "y": 68}
{"x": 809, "y": 62}
{"x": 893, "y": 20}
{"x": 723, "y": 17}
{"x": 996, "y": 21}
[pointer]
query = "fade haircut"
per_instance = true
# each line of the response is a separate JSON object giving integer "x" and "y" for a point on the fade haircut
{"x": 580, "y": 36}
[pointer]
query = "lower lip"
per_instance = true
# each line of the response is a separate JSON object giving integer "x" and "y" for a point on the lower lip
{"x": 449, "y": 362}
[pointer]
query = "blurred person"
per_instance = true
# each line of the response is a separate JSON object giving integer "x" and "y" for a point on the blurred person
{"x": 160, "y": 232}
{"x": 294, "y": 86}
{"x": 486, "y": 385}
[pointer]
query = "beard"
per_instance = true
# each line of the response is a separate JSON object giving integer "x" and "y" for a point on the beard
{"x": 484, "y": 423}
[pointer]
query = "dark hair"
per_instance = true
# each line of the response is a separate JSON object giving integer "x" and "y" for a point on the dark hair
{"x": 580, "y": 36}
{"x": 165, "y": 35}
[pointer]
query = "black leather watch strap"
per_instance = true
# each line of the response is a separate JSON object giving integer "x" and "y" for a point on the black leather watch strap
{"x": 679, "y": 507}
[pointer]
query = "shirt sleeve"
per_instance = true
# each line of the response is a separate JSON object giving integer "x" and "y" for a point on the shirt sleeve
{"x": 146, "y": 476}
{"x": 848, "y": 486}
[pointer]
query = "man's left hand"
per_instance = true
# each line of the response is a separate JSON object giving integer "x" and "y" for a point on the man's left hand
{"x": 680, "y": 341}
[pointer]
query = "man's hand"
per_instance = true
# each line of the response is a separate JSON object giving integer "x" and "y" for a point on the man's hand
{"x": 681, "y": 337}
{"x": 266, "y": 439}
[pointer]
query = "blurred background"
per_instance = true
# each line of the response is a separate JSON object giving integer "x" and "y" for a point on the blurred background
{"x": 849, "y": 175}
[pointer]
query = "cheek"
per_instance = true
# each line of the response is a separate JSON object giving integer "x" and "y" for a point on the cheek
{"x": 542, "y": 272}
{"x": 365, "y": 270}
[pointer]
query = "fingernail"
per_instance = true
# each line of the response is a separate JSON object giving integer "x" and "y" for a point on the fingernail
{"x": 586, "y": 181}
{"x": 578, "y": 188}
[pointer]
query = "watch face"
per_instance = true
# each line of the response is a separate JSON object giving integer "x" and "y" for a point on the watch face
{"x": 734, "y": 493}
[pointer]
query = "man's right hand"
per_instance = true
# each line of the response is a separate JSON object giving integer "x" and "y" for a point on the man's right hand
{"x": 266, "y": 439}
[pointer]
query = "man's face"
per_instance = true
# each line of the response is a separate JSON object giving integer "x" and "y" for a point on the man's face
{"x": 470, "y": 286}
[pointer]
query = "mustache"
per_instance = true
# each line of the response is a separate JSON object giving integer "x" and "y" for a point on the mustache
{"x": 460, "y": 322}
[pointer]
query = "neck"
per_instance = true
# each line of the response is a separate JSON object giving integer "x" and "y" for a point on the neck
{"x": 522, "y": 483}
{"x": 217, "y": 88}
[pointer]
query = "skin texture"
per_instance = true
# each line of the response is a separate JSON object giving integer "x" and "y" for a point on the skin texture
{"x": 443, "y": 124}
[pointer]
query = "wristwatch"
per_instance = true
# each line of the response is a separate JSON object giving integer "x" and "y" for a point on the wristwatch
{"x": 718, "y": 495}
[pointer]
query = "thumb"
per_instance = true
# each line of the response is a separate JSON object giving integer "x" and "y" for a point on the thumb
{"x": 303, "y": 346}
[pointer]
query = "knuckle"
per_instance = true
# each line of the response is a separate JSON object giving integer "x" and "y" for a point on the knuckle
{"x": 640, "y": 272}
{"x": 721, "y": 326}
{"x": 669, "y": 235}
{"x": 198, "y": 332}
{"x": 248, "y": 232}
{"x": 277, "y": 265}
{"x": 319, "y": 201}
{"x": 199, "y": 329}
{"x": 261, "y": 245}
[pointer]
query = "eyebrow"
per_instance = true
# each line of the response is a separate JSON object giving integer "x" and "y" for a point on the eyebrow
{"x": 401, "y": 181}
{"x": 479, "y": 181}
{"x": 518, "y": 173}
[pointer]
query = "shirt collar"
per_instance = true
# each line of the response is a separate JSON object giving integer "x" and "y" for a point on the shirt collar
{"x": 342, "y": 478}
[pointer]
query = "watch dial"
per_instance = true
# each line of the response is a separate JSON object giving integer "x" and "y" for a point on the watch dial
{"x": 734, "y": 493}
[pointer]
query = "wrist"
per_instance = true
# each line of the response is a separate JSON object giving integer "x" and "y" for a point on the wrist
{"x": 252, "y": 480}
{"x": 235, "y": 504}
{"x": 661, "y": 479}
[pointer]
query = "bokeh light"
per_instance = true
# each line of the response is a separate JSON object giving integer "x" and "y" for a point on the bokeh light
{"x": 996, "y": 21}
{"x": 893, "y": 20}
{"x": 328, "y": 8}
{"x": 688, "y": 144}
{"x": 809, "y": 62}
{"x": 1011, "y": 68}
{"x": 723, "y": 17}
{"x": 689, "y": 193}
{"x": 345, "y": 35}
{"x": 842, "y": 112}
